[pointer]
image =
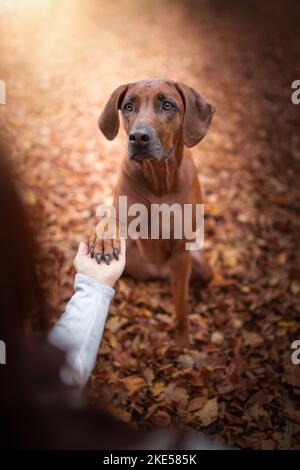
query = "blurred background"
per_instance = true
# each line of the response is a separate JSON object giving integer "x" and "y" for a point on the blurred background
{"x": 60, "y": 61}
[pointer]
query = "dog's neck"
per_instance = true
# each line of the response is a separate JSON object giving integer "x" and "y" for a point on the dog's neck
{"x": 160, "y": 177}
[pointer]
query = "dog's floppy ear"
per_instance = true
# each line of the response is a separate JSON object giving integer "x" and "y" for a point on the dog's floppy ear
{"x": 109, "y": 121}
{"x": 197, "y": 117}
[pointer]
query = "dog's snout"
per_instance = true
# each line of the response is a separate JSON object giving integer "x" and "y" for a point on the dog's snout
{"x": 140, "y": 137}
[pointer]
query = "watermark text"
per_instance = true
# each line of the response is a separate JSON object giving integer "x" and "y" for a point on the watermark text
{"x": 154, "y": 221}
{"x": 2, "y": 92}
{"x": 2, "y": 352}
{"x": 296, "y": 354}
{"x": 296, "y": 94}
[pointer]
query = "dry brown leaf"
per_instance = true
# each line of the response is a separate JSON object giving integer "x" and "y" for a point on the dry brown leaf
{"x": 115, "y": 323}
{"x": 161, "y": 419}
{"x": 208, "y": 413}
{"x": 217, "y": 337}
{"x": 196, "y": 403}
{"x": 134, "y": 384}
{"x": 29, "y": 197}
{"x": 295, "y": 287}
{"x": 175, "y": 394}
{"x": 256, "y": 411}
{"x": 185, "y": 361}
{"x": 158, "y": 388}
{"x": 252, "y": 339}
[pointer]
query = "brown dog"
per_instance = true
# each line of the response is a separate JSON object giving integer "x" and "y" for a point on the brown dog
{"x": 161, "y": 119}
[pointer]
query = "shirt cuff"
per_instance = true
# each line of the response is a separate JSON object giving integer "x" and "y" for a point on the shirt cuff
{"x": 84, "y": 280}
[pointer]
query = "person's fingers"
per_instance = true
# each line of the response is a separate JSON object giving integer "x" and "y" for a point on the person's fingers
{"x": 82, "y": 249}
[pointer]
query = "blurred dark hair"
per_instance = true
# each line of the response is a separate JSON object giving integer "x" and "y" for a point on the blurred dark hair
{"x": 20, "y": 292}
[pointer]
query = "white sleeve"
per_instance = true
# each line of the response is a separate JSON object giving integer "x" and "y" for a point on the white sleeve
{"x": 80, "y": 329}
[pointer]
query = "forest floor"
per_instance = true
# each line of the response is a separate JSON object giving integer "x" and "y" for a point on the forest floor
{"x": 235, "y": 379}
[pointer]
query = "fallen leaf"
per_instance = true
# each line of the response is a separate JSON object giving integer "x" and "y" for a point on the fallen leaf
{"x": 252, "y": 339}
{"x": 196, "y": 403}
{"x": 208, "y": 413}
{"x": 217, "y": 337}
{"x": 134, "y": 384}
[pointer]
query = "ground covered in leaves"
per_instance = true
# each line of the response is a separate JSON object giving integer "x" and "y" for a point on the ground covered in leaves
{"x": 235, "y": 379}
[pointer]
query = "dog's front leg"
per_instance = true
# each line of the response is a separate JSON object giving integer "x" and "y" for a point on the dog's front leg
{"x": 180, "y": 271}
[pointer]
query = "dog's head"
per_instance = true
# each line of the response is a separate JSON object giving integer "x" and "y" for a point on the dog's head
{"x": 157, "y": 114}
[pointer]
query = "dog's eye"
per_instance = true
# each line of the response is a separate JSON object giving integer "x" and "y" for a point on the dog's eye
{"x": 167, "y": 106}
{"x": 128, "y": 107}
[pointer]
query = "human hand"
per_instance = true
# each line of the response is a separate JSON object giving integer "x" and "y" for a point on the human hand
{"x": 104, "y": 273}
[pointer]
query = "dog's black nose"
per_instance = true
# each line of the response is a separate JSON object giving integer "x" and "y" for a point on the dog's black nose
{"x": 140, "y": 137}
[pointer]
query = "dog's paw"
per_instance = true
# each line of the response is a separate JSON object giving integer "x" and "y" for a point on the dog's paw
{"x": 104, "y": 248}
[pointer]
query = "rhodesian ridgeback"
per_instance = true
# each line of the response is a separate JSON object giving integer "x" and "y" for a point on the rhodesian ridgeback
{"x": 162, "y": 119}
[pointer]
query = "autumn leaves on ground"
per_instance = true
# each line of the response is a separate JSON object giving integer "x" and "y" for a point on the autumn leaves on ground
{"x": 235, "y": 379}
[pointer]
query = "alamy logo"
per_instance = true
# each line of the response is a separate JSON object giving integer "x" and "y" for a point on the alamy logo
{"x": 2, "y": 352}
{"x": 296, "y": 354}
{"x": 156, "y": 221}
{"x": 296, "y": 95}
{"x": 2, "y": 92}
